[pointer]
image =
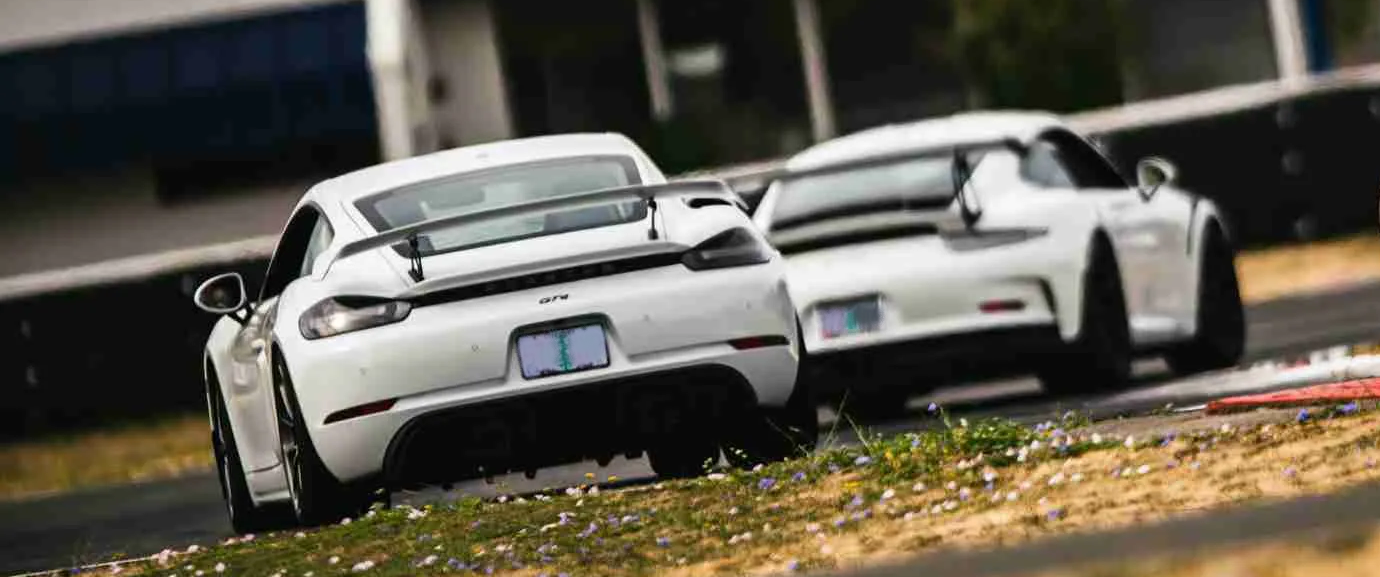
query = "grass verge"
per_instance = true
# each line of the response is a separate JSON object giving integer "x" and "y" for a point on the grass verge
{"x": 1288, "y": 270}
{"x": 165, "y": 448}
{"x": 957, "y": 485}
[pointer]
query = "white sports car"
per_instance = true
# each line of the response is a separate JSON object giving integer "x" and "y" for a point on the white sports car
{"x": 499, "y": 308}
{"x": 1048, "y": 259}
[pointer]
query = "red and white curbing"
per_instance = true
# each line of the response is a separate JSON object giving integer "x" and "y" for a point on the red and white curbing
{"x": 1319, "y": 382}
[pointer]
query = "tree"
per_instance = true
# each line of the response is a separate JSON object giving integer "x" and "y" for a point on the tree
{"x": 1060, "y": 55}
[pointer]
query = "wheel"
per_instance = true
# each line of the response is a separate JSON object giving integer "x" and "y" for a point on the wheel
{"x": 317, "y": 496}
{"x": 1100, "y": 357}
{"x": 1221, "y": 337}
{"x": 683, "y": 455}
{"x": 245, "y": 517}
{"x": 767, "y": 435}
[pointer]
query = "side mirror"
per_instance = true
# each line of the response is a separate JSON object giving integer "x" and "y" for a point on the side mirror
{"x": 222, "y": 294}
{"x": 1152, "y": 173}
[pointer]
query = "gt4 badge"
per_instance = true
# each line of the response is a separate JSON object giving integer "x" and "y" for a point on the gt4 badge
{"x": 553, "y": 298}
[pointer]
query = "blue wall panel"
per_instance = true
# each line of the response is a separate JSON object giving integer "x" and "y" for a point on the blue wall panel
{"x": 236, "y": 91}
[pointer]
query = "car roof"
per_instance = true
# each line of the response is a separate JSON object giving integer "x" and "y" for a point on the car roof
{"x": 390, "y": 175}
{"x": 962, "y": 128}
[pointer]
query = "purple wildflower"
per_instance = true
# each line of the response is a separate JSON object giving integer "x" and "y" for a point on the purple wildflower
{"x": 933, "y": 408}
{"x": 862, "y": 461}
{"x": 663, "y": 542}
{"x": 766, "y": 483}
{"x": 798, "y": 477}
{"x": 1054, "y": 514}
{"x": 454, "y": 563}
{"x": 1303, "y": 415}
{"x": 793, "y": 566}
{"x": 1348, "y": 408}
{"x": 840, "y": 522}
{"x": 833, "y": 468}
{"x": 1290, "y": 472}
{"x": 915, "y": 442}
{"x": 856, "y": 502}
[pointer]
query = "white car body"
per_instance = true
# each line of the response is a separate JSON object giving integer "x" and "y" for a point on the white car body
{"x": 454, "y": 352}
{"x": 931, "y": 295}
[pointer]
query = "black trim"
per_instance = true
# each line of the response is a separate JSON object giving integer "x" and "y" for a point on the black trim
{"x": 547, "y": 278}
{"x": 933, "y": 361}
{"x": 562, "y": 425}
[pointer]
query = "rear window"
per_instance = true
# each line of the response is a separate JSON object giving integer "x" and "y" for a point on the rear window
{"x": 483, "y": 190}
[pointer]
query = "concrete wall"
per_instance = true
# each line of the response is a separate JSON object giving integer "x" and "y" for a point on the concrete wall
{"x": 463, "y": 47}
{"x": 39, "y": 22}
{"x": 62, "y": 222}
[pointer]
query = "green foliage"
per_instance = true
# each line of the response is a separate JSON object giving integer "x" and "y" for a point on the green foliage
{"x": 1059, "y": 55}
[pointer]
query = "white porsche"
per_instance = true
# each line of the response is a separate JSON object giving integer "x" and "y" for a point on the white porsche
{"x": 1048, "y": 259}
{"x": 499, "y": 308}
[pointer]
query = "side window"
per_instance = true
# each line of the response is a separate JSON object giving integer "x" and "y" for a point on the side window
{"x": 1087, "y": 166}
{"x": 291, "y": 252}
{"x": 321, "y": 236}
{"x": 1044, "y": 166}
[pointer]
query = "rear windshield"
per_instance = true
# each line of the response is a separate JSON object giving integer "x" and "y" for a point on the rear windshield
{"x": 916, "y": 181}
{"x": 483, "y": 190}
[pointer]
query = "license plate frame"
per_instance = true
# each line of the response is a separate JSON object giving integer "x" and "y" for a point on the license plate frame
{"x": 850, "y": 317}
{"x": 563, "y": 350}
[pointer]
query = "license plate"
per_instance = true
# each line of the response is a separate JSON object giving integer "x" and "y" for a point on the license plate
{"x": 562, "y": 351}
{"x": 850, "y": 318}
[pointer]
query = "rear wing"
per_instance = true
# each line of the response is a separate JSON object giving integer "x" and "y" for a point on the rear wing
{"x": 700, "y": 189}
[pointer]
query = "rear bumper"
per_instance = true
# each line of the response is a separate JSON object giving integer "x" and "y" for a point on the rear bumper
{"x": 932, "y": 361}
{"x": 563, "y": 426}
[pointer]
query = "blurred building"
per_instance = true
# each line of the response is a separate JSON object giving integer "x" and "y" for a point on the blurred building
{"x": 131, "y": 128}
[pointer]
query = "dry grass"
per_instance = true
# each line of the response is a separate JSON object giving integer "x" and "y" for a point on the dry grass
{"x": 166, "y": 448}
{"x": 1275, "y": 272}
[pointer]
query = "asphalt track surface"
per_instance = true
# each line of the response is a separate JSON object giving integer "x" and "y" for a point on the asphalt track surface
{"x": 89, "y": 526}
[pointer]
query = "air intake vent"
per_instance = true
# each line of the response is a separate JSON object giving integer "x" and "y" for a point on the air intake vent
{"x": 547, "y": 278}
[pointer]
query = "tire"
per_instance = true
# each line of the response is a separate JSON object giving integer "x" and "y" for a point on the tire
{"x": 684, "y": 455}
{"x": 317, "y": 497}
{"x": 768, "y": 435}
{"x": 1100, "y": 357}
{"x": 244, "y": 516}
{"x": 1221, "y": 337}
